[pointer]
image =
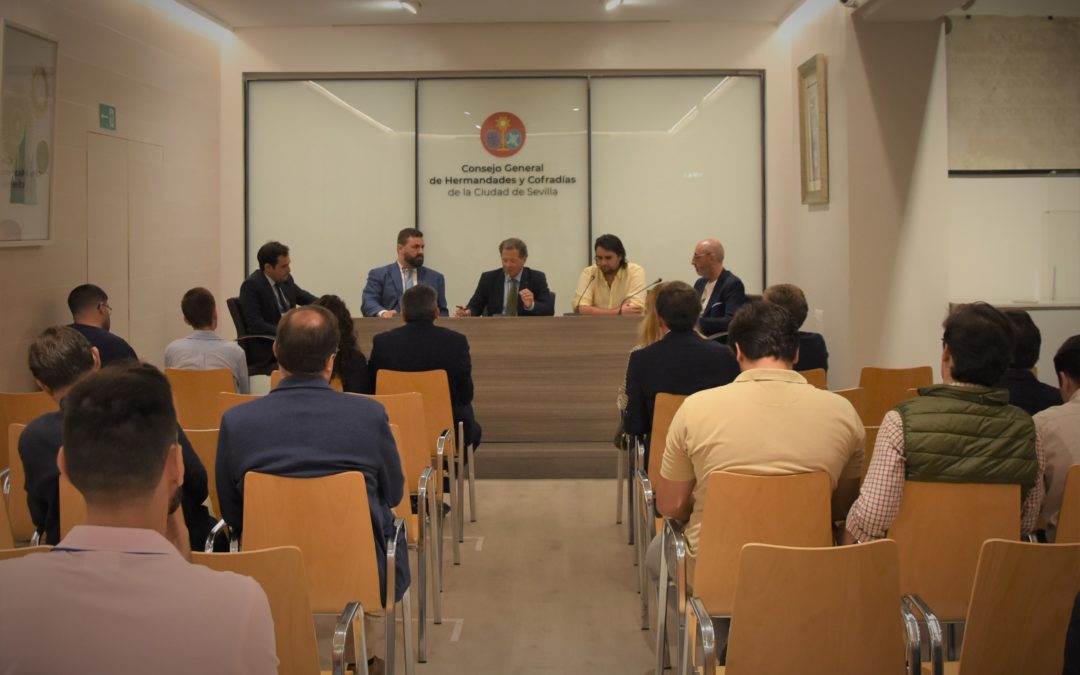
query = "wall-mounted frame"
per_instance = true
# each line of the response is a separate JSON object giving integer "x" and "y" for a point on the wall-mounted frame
{"x": 814, "y": 131}
{"x": 27, "y": 115}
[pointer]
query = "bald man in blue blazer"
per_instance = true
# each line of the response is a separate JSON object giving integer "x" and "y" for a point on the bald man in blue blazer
{"x": 385, "y": 285}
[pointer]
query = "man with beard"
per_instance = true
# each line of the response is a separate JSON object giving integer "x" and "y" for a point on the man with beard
{"x": 91, "y": 315}
{"x": 385, "y": 285}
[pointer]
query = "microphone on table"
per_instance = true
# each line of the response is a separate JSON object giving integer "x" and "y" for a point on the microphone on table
{"x": 640, "y": 290}
{"x": 576, "y": 306}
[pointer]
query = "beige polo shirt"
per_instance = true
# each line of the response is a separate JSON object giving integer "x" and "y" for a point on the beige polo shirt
{"x": 766, "y": 422}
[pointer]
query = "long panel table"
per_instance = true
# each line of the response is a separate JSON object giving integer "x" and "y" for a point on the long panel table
{"x": 540, "y": 379}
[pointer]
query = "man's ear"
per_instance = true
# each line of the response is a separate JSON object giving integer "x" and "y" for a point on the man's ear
{"x": 42, "y": 387}
{"x": 61, "y": 462}
{"x": 273, "y": 348}
{"x": 796, "y": 356}
{"x": 97, "y": 358}
{"x": 174, "y": 465}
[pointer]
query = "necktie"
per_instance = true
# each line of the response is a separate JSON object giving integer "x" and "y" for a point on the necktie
{"x": 283, "y": 304}
{"x": 410, "y": 278}
{"x": 512, "y": 299}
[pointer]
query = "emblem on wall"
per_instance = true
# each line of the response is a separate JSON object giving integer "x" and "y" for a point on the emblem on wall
{"x": 502, "y": 134}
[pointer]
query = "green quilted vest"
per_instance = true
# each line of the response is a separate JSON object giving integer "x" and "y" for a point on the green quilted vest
{"x": 968, "y": 435}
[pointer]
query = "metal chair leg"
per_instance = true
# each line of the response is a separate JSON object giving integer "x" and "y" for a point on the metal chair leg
{"x": 472, "y": 483}
{"x": 423, "y": 519}
{"x": 460, "y": 518}
{"x": 631, "y": 496}
{"x": 455, "y": 507}
{"x": 620, "y": 473}
{"x": 407, "y": 634}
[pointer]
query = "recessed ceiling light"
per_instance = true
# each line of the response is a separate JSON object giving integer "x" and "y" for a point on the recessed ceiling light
{"x": 413, "y": 6}
{"x": 467, "y": 112}
{"x": 611, "y": 4}
{"x": 576, "y": 109}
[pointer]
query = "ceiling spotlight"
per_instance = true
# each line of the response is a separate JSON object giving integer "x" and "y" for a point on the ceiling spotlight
{"x": 410, "y": 6}
{"x": 611, "y": 4}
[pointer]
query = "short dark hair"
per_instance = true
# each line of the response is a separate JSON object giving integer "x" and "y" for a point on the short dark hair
{"x": 270, "y": 252}
{"x": 406, "y": 233}
{"x": 119, "y": 424}
{"x": 198, "y": 307}
{"x": 980, "y": 338}
{"x": 59, "y": 356}
{"x": 1067, "y": 358}
{"x": 762, "y": 329}
{"x": 418, "y": 303}
{"x": 678, "y": 306}
{"x": 306, "y": 337}
{"x": 87, "y": 296}
{"x": 610, "y": 242}
{"x": 513, "y": 243}
{"x": 791, "y": 298}
{"x": 1028, "y": 340}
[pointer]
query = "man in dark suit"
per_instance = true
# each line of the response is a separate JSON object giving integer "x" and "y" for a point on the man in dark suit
{"x": 812, "y": 351}
{"x": 1025, "y": 390}
{"x": 266, "y": 294}
{"x": 421, "y": 345}
{"x": 682, "y": 362}
{"x": 720, "y": 291}
{"x": 304, "y": 429}
{"x": 386, "y": 285}
{"x": 91, "y": 315}
{"x": 514, "y": 290}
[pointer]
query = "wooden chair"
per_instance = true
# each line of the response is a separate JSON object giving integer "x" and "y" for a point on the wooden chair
{"x": 256, "y": 366}
{"x": 783, "y": 510}
{"x": 885, "y": 387}
{"x": 22, "y": 524}
{"x": 72, "y": 506}
{"x": 1020, "y": 605}
{"x": 276, "y": 376}
{"x": 439, "y": 414}
{"x": 20, "y": 408}
{"x": 1068, "y": 529}
{"x": 194, "y": 395}
{"x": 7, "y": 540}
{"x": 329, "y": 519}
{"x": 869, "y": 441}
{"x": 227, "y": 401}
{"x": 856, "y": 396}
{"x": 817, "y": 377}
{"x": 12, "y": 553}
{"x": 280, "y": 572}
{"x": 204, "y": 442}
{"x": 814, "y": 611}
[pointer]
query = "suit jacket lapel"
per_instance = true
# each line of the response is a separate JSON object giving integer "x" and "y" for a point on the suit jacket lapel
{"x": 395, "y": 281}
{"x": 495, "y": 306}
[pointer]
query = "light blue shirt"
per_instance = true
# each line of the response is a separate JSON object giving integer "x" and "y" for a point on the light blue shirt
{"x": 205, "y": 350}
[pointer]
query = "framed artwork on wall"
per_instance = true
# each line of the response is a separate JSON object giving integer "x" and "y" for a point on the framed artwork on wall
{"x": 27, "y": 116}
{"x": 814, "y": 131}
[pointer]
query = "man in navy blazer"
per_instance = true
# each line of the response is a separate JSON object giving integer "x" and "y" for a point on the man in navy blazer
{"x": 386, "y": 285}
{"x": 266, "y": 294}
{"x": 421, "y": 345}
{"x": 304, "y": 429}
{"x": 514, "y": 290}
{"x": 812, "y": 351}
{"x": 721, "y": 292}
{"x": 682, "y": 362}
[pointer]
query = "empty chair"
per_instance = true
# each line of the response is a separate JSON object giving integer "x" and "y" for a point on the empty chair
{"x": 817, "y": 377}
{"x": 194, "y": 395}
{"x": 1068, "y": 530}
{"x": 20, "y": 408}
{"x": 885, "y": 387}
{"x": 856, "y": 396}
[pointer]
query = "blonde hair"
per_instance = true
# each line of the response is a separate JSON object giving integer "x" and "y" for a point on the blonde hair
{"x": 650, "y": 330}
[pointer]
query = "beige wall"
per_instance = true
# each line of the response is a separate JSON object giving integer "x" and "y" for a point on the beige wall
{"x": 163, "y": 78}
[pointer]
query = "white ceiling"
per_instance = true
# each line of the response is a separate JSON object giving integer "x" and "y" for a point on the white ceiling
{"x": 266, "y": 13}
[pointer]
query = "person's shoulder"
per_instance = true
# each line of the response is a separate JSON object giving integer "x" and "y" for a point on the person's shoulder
{"x": 635, "y": 268}
{"x": 44, "y": 428}
{"x": 434, "y": 274}
{"x": 252, "y": 279}
{"x": 445, "y": 333}
{"x": 531, "y": 271}
{"x": 381, "y": 270}
{"x": 1050, "y": 415}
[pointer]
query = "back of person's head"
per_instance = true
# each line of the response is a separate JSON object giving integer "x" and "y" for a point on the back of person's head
{"x": 761, "y": 329}
{"x": 1067, "y": 359}
{"x": 610, "y": 242}
{"x": 60, "y": 356}
{"x": 418, "y": 304}
{"x": 514, "y": 244}
{"x": 791, "y": 298}
{"x": 85, "y": 298}
{"x": 678, "y": 306}
{"x": 198, "y": 306}
{"x": 408, "y": 233}
{"x": 270, "y": 252}
{"x": 347, "y": 339}
{"x": 306, "y": 337}
{"x": 119, "y": 424}
{"x": 980, "y": 339}
{"x": 1028, "y": 340}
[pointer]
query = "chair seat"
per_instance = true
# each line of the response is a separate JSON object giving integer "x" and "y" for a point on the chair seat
{"x": 951, "y": 668}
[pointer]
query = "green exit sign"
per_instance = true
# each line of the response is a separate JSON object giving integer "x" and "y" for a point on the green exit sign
{"x": 107, "y": 116}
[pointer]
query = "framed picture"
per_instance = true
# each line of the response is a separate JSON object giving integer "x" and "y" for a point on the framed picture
{"x": 27, "y": 114}
{"x": 814, "y": 131}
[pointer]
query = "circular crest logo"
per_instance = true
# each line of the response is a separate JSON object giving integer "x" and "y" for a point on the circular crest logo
{"x": 502, "y": 134}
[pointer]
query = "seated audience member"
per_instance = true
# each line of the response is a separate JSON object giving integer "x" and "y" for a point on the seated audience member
{"x": 650, "y": 330}
{"x": 350, "y": 365}
{"x": 118, "y": 595}
{"x": 722, "y": 293}
{"x": 1025, "y": 390}
{"x": 812, "y": 352}
{"x": 386, "y": 285}
{"x": 204, "y": 349}
{"x": 962, "y": 431}
{"x": 92, "y": 316}
{"x": 513, "y": 290}
{"x": 1059, "y": 429}
{"x": 59, "y": 358}
{"x": 267, "y": 294}
{"x": 682, "y": 362}
{"x": 613, "y": 285}
{"x": 305, "y": 429}
{"x": 421, "y": 345}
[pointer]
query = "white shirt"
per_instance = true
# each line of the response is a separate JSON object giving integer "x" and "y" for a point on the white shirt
{"x": 706, "y": 292}
{"x": 205, "y": 350}
{"x": 1059, "y": 428}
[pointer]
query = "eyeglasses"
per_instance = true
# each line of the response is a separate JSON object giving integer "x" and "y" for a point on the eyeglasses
{"x": 700, "y": 255}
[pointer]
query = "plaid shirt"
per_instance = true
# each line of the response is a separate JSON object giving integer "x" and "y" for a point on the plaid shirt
{"x": 882, "y": 490}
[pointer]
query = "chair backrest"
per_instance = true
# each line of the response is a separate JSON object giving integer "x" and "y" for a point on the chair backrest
{"x": 869, "y": 441}
{"x": 20, "y": 408}
{"x": 406, "y": 412}
{"x": 664, "y": 409}
{"x": 12, "y": 553}
{"x": 280, "y": 572}
{"x": 856, "y": 396}
{"x": 885, "y": 387}
{"x": 835, "y": 610}
{"x": 940, "y": 529}
{"x": 22, "y": 524}
{"x": 817, "y": 377}
{"x": 277, "y": 375}
{"x": 434, "y": 387}
{"x": 227, "y": 401}
{"x": 7, "y": 540}
{"x": 204, "y": 443}
{"x": 1020, "y": 606}
{"x": 72, "y": 506}
{"x": 237, "y": 315}
{"x": 194, "y": 393}
{"x": 787, "y": 510}
{"x": 1068, "y": 526}
{"x": 329, "y": 520}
